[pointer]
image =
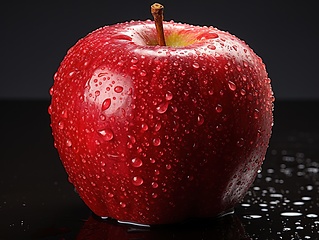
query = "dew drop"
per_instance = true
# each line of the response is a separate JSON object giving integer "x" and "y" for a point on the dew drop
{"x": 195, "y": 65}
{"x": 256, "y": 113}
{"x": 219, "y": 108}
{"x": 157, "y": 126}
{"x": 106, "y": 104}
{"x": 240, "y": 142}
{"x": 143, "y": 73}
{"x": 61, "y": 125}
{"x": 252, "y": 216}
{"x": 122, "y": 204}
{"x": 156, "y": 142}
{"x": 162, "y": 108}
{"x": 137, "y": 181}
{"x": 291, "y": 214}
{"x": 137, "y": 162}
{"x": 68, "y": 143}
{"x": 212, "y": 47}
{"x": 107, "y": 134}
{"x": 118, "y": 89}
{"x": 168, "y": 96}
{"x": 200, "y": 119}
{"x": 154, "y": 184}
{"x": 232, "y": 85}
{"x": 144, "y": 127}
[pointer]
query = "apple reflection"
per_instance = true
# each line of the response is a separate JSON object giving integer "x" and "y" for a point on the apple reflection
{"x": 227, "y": 227}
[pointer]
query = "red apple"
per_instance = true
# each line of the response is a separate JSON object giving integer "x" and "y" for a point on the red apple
{"x": 159, "y": 134}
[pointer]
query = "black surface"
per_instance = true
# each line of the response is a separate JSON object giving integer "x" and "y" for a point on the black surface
{"x": 35, "y": 36}
{"x": 38, "y": 202}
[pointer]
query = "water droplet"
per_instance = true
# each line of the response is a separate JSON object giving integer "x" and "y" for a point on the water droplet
{"x": 157, "y": 126}
{"x": 312, "y": 215}
{"x": 122, "y": 204}
{"x": 107, "y": 134}
{"x": 240, "y": 142}
{"x": 137, "y": 181}
{"x": 232, "y": 85}
{"x": 144, "y": 127}
{"x": 200, "y": 119}
{"x": 195, "y": 65}
{"x": 156, "y": 142}
{"x": 168, "y": 96}
{"x": 106, "y": 104}
{"x": 68, "y": 143}
{"x": 212, "y": 47}
{"x": 252, "y": 216}
{"x": 256, "y": 113}
{"x": 118, "y": 89}
{"x": 154, "y": 184}
{"x": 168, "y": 166}
{"x": 61, "y": 125}
{"x": 136, "y": 162}
{"x": 291, "y": 214}
{"x": 162, "y": 107}
{"x": 143, "y": 73}
{"x": 219, "y": 108}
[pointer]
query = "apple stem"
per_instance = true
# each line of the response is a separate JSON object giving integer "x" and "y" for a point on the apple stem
{"x": 157, "y": 12}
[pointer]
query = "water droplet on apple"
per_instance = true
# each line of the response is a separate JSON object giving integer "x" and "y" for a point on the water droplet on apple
{"x": 232, "y": 85}
{"x": 162, "y": 107}
{"x": 212, "y": 47}
{"x": 118, "y": 89}
{"x": 68, "y": 143}
{"x": 143, "y": 73}
{"x": 106, "y": 104}
{"x": 243, "y": 92}
{"x": 240, "y": 142}
{"x": 154, "y": 184}
{"x": 156, "y": 142}
{"x": 157, "y": 126}
{"x": 144, "y": 127}
{"x": 106, "y": 134}
{"x": 196, "y": 65}
{"x": 168, "y": 96}
{"x": 134, "y": 60}
{"x": 219, "y": 108}
{"x": 61, "y": 125}
{"x": 256, "y": 113}
{"x": 137, "y": 181}
{"x": 200, "y": 119}
{"x": 122, "y": 204}
{"x": 137, "y": 162}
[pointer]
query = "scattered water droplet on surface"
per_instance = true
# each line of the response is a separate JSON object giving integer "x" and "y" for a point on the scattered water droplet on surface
{"x": 106, "y": 104}
{"x": 118, "y": 89}
{"x": 291, "y": 214}
{"x": 219, "y": 108}
{"x": 156, "y": 142}
{"x": 232, "y": 85}
{"x": 168, "y": 96}
{"x": 200, "y": 119}
{"x": 137, "y": 162}
{"x": 195, "y": 65}
{"x": 68, "y": 143}
{"x": 162, "y": 108}
{"x": 137, "y": 181}
{"x": 107, "y": 134}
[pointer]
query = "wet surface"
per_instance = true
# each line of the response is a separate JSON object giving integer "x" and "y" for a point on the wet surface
{"x": 37, "y": 201}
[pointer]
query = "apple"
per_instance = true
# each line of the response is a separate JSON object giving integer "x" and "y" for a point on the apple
{"x": 156, "y": 134}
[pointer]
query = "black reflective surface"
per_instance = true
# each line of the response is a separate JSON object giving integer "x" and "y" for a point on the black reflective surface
{"x": 37, "y": 201}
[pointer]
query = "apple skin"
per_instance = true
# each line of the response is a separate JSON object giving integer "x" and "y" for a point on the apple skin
{"x": 160, "y": 134}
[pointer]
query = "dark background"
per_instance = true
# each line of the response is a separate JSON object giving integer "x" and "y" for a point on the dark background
{"x": 35, "y": 36}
